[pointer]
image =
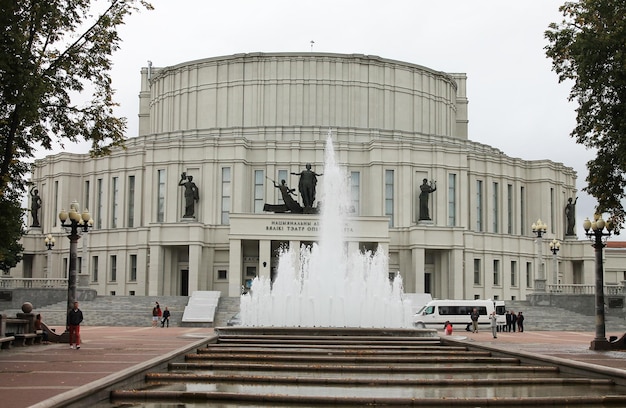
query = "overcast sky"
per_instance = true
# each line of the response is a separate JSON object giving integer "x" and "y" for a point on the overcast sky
{"x": 515, "y": 101}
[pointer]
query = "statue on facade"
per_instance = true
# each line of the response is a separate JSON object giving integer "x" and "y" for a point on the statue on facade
{"x": 35, "y": 205}
{"x": 191, "y": 194}
{"x": 286, "y": 192}
{"x": 425, "y": 189}
{"x": 570, "y": 216}
{"x": 307, "y": 185}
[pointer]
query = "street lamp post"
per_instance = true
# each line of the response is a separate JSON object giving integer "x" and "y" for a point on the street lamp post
{"x": 539, "y": 228}
{"x": 555, "y": 245}
{"x": 77, "y": 223}
{"x": 49, "y": 242}
{"x": 598, "y": 232}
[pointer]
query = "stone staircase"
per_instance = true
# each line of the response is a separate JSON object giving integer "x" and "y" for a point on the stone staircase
{"x": 548, "y": 318}
{"x": 226, "y": 308}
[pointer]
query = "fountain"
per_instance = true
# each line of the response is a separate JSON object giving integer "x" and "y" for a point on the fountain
{"x": 323, "y": 285}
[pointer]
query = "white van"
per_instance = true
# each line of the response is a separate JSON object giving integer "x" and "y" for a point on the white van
{"x": 437, "y": 312}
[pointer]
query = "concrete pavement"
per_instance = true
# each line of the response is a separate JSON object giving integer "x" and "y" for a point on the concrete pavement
{"x": 47, "y": 375}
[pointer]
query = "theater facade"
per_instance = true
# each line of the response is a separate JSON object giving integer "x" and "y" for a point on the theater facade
{"x": 237, "y": 125}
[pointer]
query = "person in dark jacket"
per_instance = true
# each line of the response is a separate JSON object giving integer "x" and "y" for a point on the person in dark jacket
{"x": 74, "y": 319}
{"x": 520, "y": 322}
{"x": 513, "y": 322}
{"x": 166, "y": 317}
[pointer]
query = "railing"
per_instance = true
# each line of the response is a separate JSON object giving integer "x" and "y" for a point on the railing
{"x": 578, "y": 289}
{"x": 14, "y": 283}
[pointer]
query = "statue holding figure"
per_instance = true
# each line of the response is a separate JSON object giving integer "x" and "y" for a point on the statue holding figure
{"x": 191, "y": 194}
{"x": 35, "y": 205}
{"x": 426, "y": 188}
{"x": 286, "y": 192}
{"x": 570, "y": 216}
{"x": 306, "y": 186}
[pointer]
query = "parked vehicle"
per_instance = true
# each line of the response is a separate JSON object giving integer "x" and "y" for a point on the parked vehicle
{"x": 438, "y": 312}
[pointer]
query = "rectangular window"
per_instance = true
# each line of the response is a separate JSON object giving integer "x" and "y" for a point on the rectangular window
{"x": 56, "y": 202}
{"x": 477, "y": 271}
{"x": 113, "y": 271}
{"x": 87, "y": 205}
{"x": 529, "y": 274}
{"x": 79, "y": 265}
{"x": 496, "y": 207}
{"x": 552, "y": 213}
{"x": 94, "y": 269}
{"x": 259, "y": 187}
{"x": 355, "y": 192}
{"x": 496, "y": 272}
{"x": 451, "y": 200}
{"x": 66, "y": 268}
{"x": 522, "y": 209}
{"x": 160, "y": 195}
{"x": 509, "y": 209}
{"x": 479, "y": 205}
{"x": 114, "y": 203}
{"x": 222, "y": 274}
{"x": 389, "y": 196}
{"x": 130, "y": 221}
{"x": 226, "y": 195}
{"x": 99, "y": 195}
{"x": 133, "y": 268}
{"x": 513, "y": 273}
{"x": 282, "y": 175}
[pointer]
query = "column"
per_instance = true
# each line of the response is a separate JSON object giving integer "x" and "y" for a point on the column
{"x": 418, "y": 256}
{"x": 195, "y": 262}
{"x": 234, "y": 269}
{"x": 265, "y": 258}
{"x": 154, "y": 283}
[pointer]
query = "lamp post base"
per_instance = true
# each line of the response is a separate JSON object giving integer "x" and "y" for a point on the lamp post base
{"x": 600, "y": 344}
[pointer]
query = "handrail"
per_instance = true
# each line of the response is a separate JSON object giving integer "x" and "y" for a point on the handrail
{"x": 32, "y": 283}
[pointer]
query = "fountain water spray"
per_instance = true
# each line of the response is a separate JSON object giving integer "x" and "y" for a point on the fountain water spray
{"x": 323, "y": 285}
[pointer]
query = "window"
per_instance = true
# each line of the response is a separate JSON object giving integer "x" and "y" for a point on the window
{"x": 133, "y": 268}
{"x": 389, "y": 196}
{"x": 226, "y": 195}
{"x": 355, "y": 192}
{"x": 79, "y": 265}
{"x": 259, "y": 186}
{"x": 161, "y": 195}
{"x": 509, "y": 209}
{"x": 529, "y": 274}
{"x": 65, "y": 268}
{"x": 87, "y": 194}
{"x": 99, "y": 195}
{"x": 222, "y": 274}
{"x": 522, "y": 209}
{"x": 479, "y": 205}
{"x": 477, "y": 271}
{"x": 130, "y": 221}
{"x": 552, "y": 214}
{"x": 114, "y": 203}
{"x": 282, "y": 175}
{"x": 496, "y": 272}
{"x": 496, "y": 208}
{"x": 113, "y": 271}
{"x": 451, "y": 200}
{"x": 56, "y": 202}
{"x": 513, "y": 273}
{"x": 94, "y": 269}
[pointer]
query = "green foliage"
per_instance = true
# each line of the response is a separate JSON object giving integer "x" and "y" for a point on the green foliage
{"x": 589, "y": 48}
{"x": 11, "y": 225}
{"x": 49, "y": 51}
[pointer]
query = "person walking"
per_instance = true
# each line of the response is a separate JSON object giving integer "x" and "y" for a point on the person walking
{"x": 520, "y": 322}
{"x": 166, "y": 317}
{"x": 474, "y": 317}
{"x": 155, "y": 314}
{"x": 74, "y": 319}
{"x": 494, "y": 324}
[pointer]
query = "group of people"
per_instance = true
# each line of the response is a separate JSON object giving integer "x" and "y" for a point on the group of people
{"x": 159, "y": 315}
{"x": 514, "y": 322}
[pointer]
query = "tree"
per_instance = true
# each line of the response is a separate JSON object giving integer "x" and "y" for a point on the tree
{"x": 589, "y": 48}
{"x": 11, "y": 225}
{"x": 49, "y": 51}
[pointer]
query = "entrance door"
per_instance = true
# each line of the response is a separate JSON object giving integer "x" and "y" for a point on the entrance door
{"x": 429, "y": 283}
{"x": 184, "y": 282}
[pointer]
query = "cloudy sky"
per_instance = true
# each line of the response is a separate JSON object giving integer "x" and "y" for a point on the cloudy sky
{"x": 515, "y": 101}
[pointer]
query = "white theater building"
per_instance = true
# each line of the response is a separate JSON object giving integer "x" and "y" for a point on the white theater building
{"x": 235, "y": 123}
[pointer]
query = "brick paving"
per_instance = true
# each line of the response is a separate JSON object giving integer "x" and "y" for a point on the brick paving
{"x": 38, "y": 375}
